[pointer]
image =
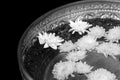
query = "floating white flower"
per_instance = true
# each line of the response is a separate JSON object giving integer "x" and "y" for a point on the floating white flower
{"x": 67, "y": 46}
{"x": 101, "y": 74}
{"x": 83, "y": 67}
{"x": 78, "y": 26}
{"x": 111, "y": 49}
{"x": 97, "y": 32}
{"x": 49, "y": 40}
{"x": 76, "y": 55}
{"x": 86, "y": 43}
{"x": 62, "y": 70}
{"x": 113, "y": 34}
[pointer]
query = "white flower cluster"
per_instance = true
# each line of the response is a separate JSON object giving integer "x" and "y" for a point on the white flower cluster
{"x": 78, "y": 26}
{"x": 62, "y": 70}
{"x": 113, "y": 34}
{"x": 97, "y": 31}
{"x": 67, "y": 46}
{"x": 83, "y": 67}
{"x": 109, "y": 49}
{"x": 76, "y": 55}
{"x": 86, "y": 43}
{"x": 49, "y": 40}
{"x": 101, "y": 74}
